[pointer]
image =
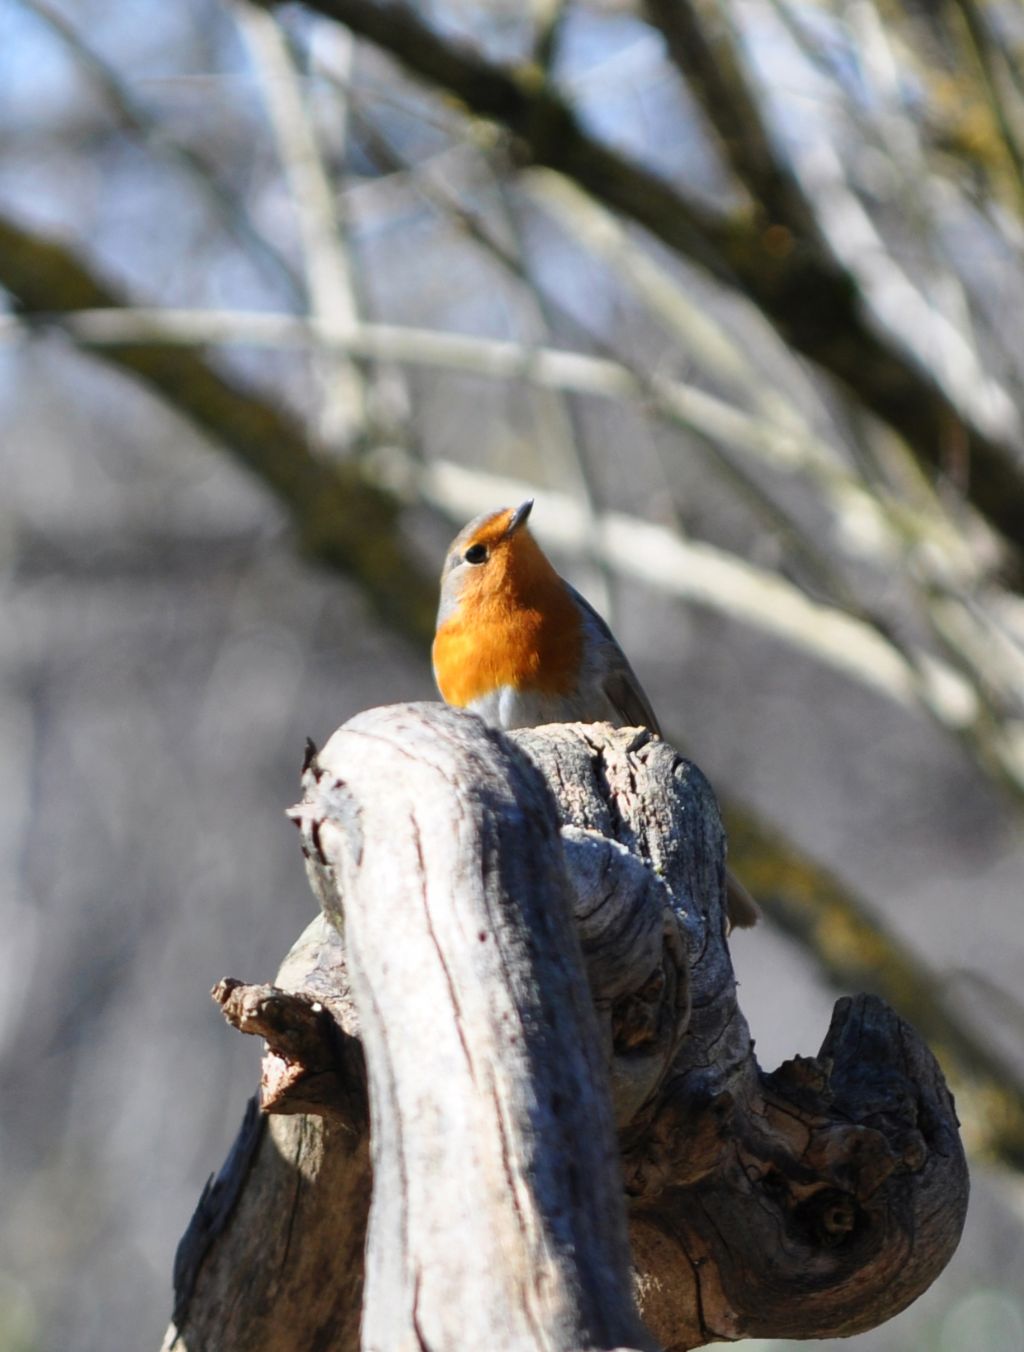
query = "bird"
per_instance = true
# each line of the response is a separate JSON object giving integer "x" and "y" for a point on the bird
{"x": 518, "y": 645}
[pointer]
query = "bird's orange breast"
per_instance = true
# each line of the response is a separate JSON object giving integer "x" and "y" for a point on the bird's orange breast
{"x": 516, "y": 625}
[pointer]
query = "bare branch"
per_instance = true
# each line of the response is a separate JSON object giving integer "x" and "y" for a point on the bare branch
{"x": 894, "y": 523}
{"x": 339, "y": 517}
{"x": 991, "y": 61}
{"x": 856, "y": 645}
{"x": 814, "y": 303}
{"x": 329, "y": 282}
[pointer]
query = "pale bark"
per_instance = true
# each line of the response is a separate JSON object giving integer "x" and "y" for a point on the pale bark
{"x": 475, "y": 885}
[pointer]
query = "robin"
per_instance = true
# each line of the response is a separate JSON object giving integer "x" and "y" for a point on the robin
{"x": 516, "y": 644}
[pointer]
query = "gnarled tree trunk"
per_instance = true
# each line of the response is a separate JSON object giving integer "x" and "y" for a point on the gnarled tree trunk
{"x": 534, "y": 966}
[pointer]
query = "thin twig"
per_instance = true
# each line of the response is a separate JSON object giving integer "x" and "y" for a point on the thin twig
{"x": 548, "y": 20}
{"x": 808, "y": 197}
{"x": 984, "y": 51}
{"x": 744, "y": 485}
{"x": 703, "y": 337}
{"x": 329, "y": 283}
{"x": 561, "y": 431}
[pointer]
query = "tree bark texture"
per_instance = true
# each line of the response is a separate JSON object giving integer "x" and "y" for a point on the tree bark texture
{"x": 524, "y": 936}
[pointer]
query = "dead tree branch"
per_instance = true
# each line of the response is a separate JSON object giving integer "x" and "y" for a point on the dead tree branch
{"x": 495, "y": 898}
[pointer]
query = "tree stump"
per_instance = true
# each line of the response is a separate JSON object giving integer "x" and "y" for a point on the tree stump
{"x": 517, "y": 1016}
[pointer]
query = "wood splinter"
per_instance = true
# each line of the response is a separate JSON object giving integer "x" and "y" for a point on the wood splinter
{"x": 570, "y": 1132}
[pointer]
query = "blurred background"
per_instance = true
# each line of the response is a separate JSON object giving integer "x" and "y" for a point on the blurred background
{"x": 735, "y": 291}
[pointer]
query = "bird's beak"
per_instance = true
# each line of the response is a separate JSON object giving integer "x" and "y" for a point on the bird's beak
{"x": 519, "y": 518}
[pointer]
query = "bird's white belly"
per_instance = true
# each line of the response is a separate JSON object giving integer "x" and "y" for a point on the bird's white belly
{"x": 506, "y": 707}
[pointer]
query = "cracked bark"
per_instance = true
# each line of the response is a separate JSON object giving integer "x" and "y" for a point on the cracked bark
{"x": 534, "y": 964}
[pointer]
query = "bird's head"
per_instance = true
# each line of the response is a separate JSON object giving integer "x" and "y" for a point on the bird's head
{"x": 494, "y": 560}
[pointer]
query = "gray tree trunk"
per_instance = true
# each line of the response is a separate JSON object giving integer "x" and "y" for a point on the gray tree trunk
{"x": 566, "y": 1120}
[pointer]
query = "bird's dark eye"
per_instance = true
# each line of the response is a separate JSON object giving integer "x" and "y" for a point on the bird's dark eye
{"x": 475, "y": 554}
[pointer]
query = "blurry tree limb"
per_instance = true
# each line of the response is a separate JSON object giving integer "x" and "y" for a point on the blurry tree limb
{"x": 991, "y": 62}
{"x": 539, "y": 1088}
{"x": 809, "y": 201}
{"x": 580, "y": 217}
{"x": 951, "y": 692}
{"x": 330, "y": 287}
{"x": 697, "y": 332}
{"x": 813, "y": 300}
{"x": 700, "y": 43}
{"x": 699, "y": 572}
{"x": 895, "y": 522}
{"x": 784, "y": 447}
{"x": 352, "y": 525}
{"x": 503, "y": 359}
{"x": 548, "y": 20}
{"x": 340, "y": 518}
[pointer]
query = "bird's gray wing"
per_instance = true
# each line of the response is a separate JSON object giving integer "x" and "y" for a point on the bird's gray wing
{"x": 621, "y": 685}
{"x": 627, "y": 698}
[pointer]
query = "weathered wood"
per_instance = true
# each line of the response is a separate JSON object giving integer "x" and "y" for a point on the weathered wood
{"x": 497, "y": 1218}
{"x": 283, "y": 1269}
{"x": 816, "y": 1201}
